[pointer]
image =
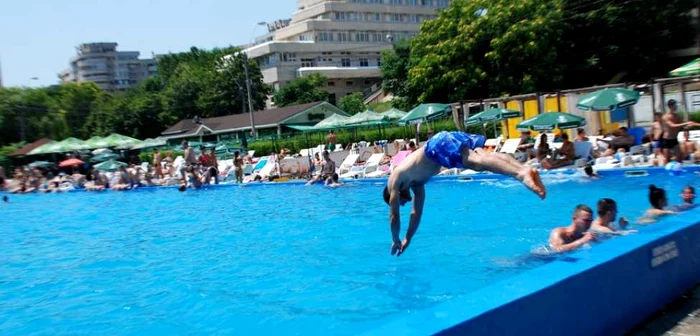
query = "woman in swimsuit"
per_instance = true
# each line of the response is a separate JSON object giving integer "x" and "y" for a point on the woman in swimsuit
{"x": 658, "y": 200}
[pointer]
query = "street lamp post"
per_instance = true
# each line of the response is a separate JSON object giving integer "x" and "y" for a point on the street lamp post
{"x": 248, "y": 83}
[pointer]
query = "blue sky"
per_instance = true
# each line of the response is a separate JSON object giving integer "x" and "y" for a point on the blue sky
{"x": 37, "y": 37}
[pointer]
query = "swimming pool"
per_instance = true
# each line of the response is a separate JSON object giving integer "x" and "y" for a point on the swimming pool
{"x": 265, "y": 259}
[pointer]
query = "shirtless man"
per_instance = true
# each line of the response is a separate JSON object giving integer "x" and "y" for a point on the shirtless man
{"x": 564, "y": 239}
{"x": 607, "y": 213}
{"x": 671, "y": 125}
{"x": 449, "y": 150}
{"x": 689, "y": 147}
{"x": 190, "y": 159}
{"x": 327, "y": 169}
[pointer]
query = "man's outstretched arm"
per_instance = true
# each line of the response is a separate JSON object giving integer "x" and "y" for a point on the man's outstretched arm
{"x": 394, "y": 220}
{"x": 416, "y": 214}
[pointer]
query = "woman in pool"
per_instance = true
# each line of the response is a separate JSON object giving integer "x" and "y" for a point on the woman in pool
{"x": 658, "y": 200}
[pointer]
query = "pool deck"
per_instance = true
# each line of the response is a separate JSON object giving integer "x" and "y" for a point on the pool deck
{"x": 679, "y": 318}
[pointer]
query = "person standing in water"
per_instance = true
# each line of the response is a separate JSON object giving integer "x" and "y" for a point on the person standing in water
{"x": 449, "y": 150}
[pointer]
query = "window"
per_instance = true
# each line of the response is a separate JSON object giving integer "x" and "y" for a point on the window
{"x": 331, "y": 83}
{"x": 379, "y": 62}
{"x": 368, "y": 82}
{"x": 345, "y": 62}
{"x": 325, "y": 36}
{"x": 343, "y": 37}
{"x": 396, "y": 17}
{"x": 396, "y": 2}
{"x": 364, "y": 62}
{"x": 426, "y": 2}
{"x": 307, "y": 62}
{"x": 362, "y": 37}
{"x": 349, "y": 83}
{"x": 412, "y": 2}
{"x": 413, "y": 18}
{"x": 443, "y": 3}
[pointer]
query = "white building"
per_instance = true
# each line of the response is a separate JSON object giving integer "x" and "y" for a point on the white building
{"x": 339, "y": 39}
{"x": 110, "y": 69}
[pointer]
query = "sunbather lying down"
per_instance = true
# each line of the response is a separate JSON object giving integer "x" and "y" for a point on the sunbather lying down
{"x": 450, "y": 150}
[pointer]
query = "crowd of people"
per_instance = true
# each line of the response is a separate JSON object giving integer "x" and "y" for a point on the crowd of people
{"x": 584, "y": 229}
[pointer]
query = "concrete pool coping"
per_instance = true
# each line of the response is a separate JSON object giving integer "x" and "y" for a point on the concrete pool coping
{"x": 607, "y": 289}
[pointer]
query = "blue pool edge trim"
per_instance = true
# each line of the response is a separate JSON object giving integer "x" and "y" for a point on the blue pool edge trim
{"x": 629, "y": 172}
{"x": 605, "y": 290}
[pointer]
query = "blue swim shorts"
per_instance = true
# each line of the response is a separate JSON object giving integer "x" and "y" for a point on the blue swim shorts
{"x": 445, "y": 148}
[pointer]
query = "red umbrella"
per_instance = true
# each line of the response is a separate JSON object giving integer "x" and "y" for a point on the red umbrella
{"x": 70, "y": 163}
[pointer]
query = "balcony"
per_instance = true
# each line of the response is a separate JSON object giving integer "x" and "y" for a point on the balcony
{"x": 335, "y": 72}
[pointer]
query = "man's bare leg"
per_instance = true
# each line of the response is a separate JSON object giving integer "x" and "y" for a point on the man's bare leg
{"x": 504, "y": 164}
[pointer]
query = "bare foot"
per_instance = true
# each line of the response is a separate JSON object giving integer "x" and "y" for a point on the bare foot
{"x": 531, "y": 178}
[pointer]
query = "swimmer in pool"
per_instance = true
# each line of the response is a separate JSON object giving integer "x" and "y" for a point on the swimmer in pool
{"x": 449, "y": 150}
{"x": 658, "y": 201}
{"x": 688, "y": 197}
{"x": 564, "y": 239}
{"x": 605, "y": 223}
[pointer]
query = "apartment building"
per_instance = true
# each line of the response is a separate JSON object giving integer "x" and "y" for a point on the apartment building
{"x": 339, "y": 39}
{"x": 110, "y": 69}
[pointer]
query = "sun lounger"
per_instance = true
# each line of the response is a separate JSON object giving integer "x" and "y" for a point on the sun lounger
{"x": 347, "y": 163}
{"x": 395, "y": 161}
{"x": 359, "y": 171}
{"x": 510, "y": 146}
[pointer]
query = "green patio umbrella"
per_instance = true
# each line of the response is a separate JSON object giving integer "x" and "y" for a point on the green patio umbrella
{"x": 41, "y": 164}
{"x": 608, "y": 99}
{"x": 104, "y": 157}
{"x": 692, "y": 68}
{"x": 67, "y": 145}
{"x": 46, "y": 148}
{"x": 367, "y": 118}
{"x": 116, "y": 140}
{"x": 332, "y": 122}
{"x": 150, "y": 143}
{"x": 110, "y": 165}
{"x": 92, "y": 142}
{"x": 394, "y": 114}
{"x": 425, "y": 112}
{"x": 551, "y": 120}
{"x": 492, "y": 114}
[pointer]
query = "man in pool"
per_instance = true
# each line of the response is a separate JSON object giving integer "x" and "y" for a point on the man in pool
{"x": 449, "y": 150}
{"x": 564, "y": 239}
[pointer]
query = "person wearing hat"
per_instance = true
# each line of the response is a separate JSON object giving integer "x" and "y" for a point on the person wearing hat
{"x": 671, "y": 125}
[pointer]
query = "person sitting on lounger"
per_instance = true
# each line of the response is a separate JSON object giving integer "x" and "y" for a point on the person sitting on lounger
{"x": 563, "y": 156}
{"x": 581, "y": 135}
{"x": 542, "y": 149}
{"x": 564, "y": 239}
{"x": 607, "y": 213}
{"x": 690, "y": 150}
{"x": 449, "y": 150}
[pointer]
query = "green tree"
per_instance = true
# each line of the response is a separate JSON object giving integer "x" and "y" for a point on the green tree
{"x": 353, "y": 103}
{"x": 302, "y": 90}
{"x": 395, "y": 67}
{"x": 623, "y": 40}
{"x": 482, "y": 48}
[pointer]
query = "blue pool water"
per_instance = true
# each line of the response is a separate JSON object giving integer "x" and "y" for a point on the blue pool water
{"x": 271, "y": 259}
